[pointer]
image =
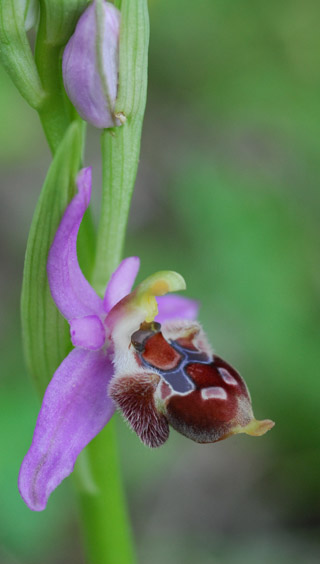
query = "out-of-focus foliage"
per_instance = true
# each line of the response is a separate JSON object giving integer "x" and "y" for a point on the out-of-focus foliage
{"x": 227, "y": 194}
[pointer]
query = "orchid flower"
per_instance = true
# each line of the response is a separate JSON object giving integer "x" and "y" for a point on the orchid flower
{"x": 76, "y": 405}
{"x": 123, "y": 357}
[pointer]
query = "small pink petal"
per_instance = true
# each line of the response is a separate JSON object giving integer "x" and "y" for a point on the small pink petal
{"x": 75, "y": 408}
{"x": 87, "y": 332}
{"x": 176, "y": 307}
{"x": 121, "y": 282}
{"x": 70, "y": 290}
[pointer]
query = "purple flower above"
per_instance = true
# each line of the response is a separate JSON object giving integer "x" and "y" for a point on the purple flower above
{"x": 76, "y": 405}
{"x": 90, "y": 64}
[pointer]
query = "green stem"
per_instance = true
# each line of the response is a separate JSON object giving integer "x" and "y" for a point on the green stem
{"x": 53, "y": 113}
{"x": 106, "y": 528}
{"x": 120, "y": 152}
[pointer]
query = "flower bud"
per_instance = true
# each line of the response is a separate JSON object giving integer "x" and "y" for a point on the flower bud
{"x": 90, "y": 64}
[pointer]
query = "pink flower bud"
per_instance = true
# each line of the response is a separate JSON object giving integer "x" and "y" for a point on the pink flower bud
{"x": 90, "y": 64}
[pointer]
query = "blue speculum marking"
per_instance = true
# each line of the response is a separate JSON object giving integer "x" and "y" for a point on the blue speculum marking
{"x": 192, "y": 356}
{"x": 177, "y": 378}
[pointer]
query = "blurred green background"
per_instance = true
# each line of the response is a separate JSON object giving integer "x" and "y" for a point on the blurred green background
{"x": 227, "y": 194}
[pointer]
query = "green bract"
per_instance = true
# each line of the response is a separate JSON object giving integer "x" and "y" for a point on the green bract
{"x": 15, "y": 52}
{"x": 133, "y": 58}
{"x": 45, "y": 332}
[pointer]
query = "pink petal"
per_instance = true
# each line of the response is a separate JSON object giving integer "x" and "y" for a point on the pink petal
{"x": 87, "y": 332}
{"x": 121, "y": 282}
{"x": 75, "y": 408}
{"x": 176, "y": 307}
{"x": 70, "y": 290}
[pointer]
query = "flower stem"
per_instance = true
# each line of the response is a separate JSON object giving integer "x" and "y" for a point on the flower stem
{"x": 106, "y": 528}
{"x": 120, "y": 153}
